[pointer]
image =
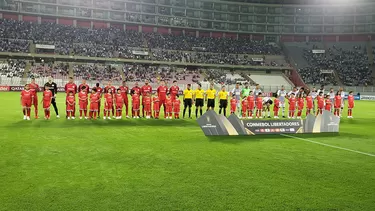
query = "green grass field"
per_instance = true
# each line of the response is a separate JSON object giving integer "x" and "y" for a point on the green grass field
{"x": 170, "y": 165}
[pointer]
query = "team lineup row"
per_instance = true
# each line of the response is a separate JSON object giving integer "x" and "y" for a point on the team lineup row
{"x": 244, "y": 101}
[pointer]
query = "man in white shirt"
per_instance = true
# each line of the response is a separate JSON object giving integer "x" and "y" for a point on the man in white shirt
{"x": 314, "y": 94}
{"x": 282, "y": 95}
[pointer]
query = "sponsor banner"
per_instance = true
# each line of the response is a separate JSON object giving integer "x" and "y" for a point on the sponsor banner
{"x": 16, "y": 88}
{"x": 213, "y": 124}
{"x": 356, "y": 97}
{"x": 41, "y": 46}
{"x": 326, "y": 71}
{"x": 367, "y": 97}
{"x": 273, "y": 126}
{"x": 257, "y": 59}
{"x": 4, "y": 88}
{"x": 142, "y": 53}
{"x": 318, "y": 51}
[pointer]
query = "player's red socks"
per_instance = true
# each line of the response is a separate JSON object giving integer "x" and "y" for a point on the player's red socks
{"x": 24, "y": 111}
{"x": 276, "y": 113}
{"x": 299, "y": 113}
{"x": 36, "y": 111}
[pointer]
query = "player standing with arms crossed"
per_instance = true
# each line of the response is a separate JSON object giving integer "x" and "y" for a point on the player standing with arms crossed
{"x": 34, "y": 89}
{"x": 84, "y": 86}
{"x": 70, "y": 87}
{"x": 145, "y": 90}
{"x": 124, "y": 92}
{"x": 176, "y": 107}
{"x": 188, "y": 100}
{"x": 119, "y": 102}
{"x": 281, "y": 94}
{"x": 251, "y": 105}
{"x": 83, "y": 101}
{"x": 70, "y": 105}
{"x": 223, "y": 101}
{"x": 26, "y": 101}
{"x": 210, "y": 97}
{"x": 350, "y": 104}
{"x": 337, "y": 104}
{"x": 162, "y": 94}
{"x": 173, "y": 91}
{"x": 199, "y": 100}
{"x": 47, "y": 98}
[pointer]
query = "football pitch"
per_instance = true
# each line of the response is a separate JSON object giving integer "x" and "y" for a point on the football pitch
{"x": 140, "y": 164}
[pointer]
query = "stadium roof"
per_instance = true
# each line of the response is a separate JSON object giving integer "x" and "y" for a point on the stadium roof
{"x": 302, "y": 2}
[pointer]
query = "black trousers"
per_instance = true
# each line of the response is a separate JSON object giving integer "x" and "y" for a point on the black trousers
{"x": 53, "y": 102}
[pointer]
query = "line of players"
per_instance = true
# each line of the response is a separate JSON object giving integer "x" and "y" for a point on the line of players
{"x": 298, "y": 100}
{"x": 114, "y": 100}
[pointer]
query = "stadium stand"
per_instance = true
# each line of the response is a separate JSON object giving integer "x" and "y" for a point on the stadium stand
{"x": 274, "y": 80}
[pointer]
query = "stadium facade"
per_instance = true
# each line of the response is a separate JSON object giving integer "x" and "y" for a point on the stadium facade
{"x": 271, "y": 22}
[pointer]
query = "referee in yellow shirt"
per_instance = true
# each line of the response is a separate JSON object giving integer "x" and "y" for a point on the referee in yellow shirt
{"x": 188, "y": 99}
{"x": 210, "y": 97}
{"x": 223, "y": 97}
{"x": 199, "y": 100}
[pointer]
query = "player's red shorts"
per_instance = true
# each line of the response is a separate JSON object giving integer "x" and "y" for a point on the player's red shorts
{"x": 350, "y": 105}
{"x": 251, "y": 106}
{"x": 259, "y": 107}
{"x": 35, "y": 101}
{"x": 168, "y": 109}
{"x": 176, "y": 110}
{"x": 275, "y": 108}
{"x": 244, "y": 109}
{"x": 156, "y": 106}
{"x": 119, "y": 106}
{"x": 233, "y": 108}
{"x": 70, "y": 107}
{"x": 162, "y": 102}
{"x": 46, "y": 103}
{"x": 26, "y": 103}
{"x": 300, "y": 106}
{"x": 147, "y": 107}
{"x": 83, "y": 105}
{"x": 135, "y": 106}
{"x": 309, "y": 106}
{"x": 94, "y": 106}
{"x": 108, "y": 106}
{"x": 292, "y": 108}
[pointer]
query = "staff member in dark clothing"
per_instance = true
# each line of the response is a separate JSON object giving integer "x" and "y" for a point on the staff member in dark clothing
{"x": 53, "y": 88}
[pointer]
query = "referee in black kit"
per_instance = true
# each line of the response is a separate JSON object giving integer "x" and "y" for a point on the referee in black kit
{"x": 53, "y": 88}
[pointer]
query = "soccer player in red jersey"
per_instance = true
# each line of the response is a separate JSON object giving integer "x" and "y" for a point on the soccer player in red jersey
{"x": 169, "y": 106}
{"x": 26, "y": 101}
{"x": 174, "y": 90}
{"x": 71, "y": 87}
{"x": 162, "y": 93}
{"x": 233, "y": 104}
{"x": 84, "y": 85}
{"x": 135, "y": 104}
{"x": 176, "y": 107}
{"x": 147, "y": 104}
{"x": 156, "y": 103}
{"x": 144, "y": 91}
{"x": 83, "y": 101}
{"x": 47, "y": 98}
{"x": 320, "y": 99}
{"x": 259, "y": 104}
{"x": 300, "y": 104}
{"x": 119, "y": 102}
{"x": 34, "y": 89}
{"x": 124, "y": 92}
{"x": 70, "y": 105}
{"x": 108, "y": 104}
{"x": 328, "y": 103}
{"x": 99, "y": 91}
{"x": 350, "y": 104}
{"x": 94, "y": 103}
{"x": 113, "y": 91}
{"x": 309, "y": 104}
{"x": 244, "y": 106}
{"x": 136, "y": 89}
{"x": 276, "y": 107}
{"x": 292, "y": 106}
{"x": 337, "y": 102}
{"x": 251, "y": 105}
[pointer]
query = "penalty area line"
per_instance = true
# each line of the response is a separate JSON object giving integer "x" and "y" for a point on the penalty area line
{"x": 328, "y": 145}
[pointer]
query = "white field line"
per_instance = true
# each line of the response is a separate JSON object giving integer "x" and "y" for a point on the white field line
{"x": 328, "y": 145}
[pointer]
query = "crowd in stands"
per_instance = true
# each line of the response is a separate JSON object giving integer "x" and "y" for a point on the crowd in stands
{"x": 12, "y": 68}
{"x": 46, "y": 69}
{"x": 98, "y": 72}
{"x": 220, "y": 76}
{"x": 13, "y": 45}
{"x": 351, "y": 66}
